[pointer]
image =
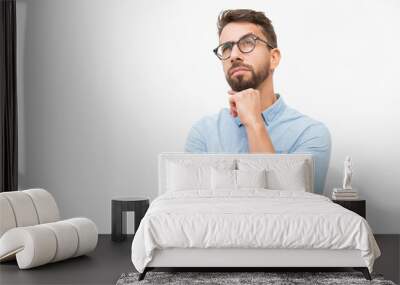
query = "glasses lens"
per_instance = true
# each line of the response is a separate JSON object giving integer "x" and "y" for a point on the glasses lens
{"x": 247, "y": 44}
{"x": 224, "y": 51}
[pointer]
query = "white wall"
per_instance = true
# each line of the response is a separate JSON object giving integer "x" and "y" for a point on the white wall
{"x": 104, "y": 86}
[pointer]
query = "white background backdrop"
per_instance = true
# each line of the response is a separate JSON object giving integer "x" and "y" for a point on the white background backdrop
{"x": 104, "y": 86}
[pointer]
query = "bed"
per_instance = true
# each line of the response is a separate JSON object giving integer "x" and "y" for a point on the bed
{"x": 247, "y": 211}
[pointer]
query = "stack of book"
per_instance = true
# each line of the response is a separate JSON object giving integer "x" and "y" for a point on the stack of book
{"x": 344, "y": 194}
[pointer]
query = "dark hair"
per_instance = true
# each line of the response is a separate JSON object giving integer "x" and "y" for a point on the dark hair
{"x": 251, "y": 16}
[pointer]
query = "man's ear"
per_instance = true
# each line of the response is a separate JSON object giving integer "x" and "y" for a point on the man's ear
{"x": 275, "y": 58}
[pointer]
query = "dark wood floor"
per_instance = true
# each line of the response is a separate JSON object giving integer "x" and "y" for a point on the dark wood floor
{"x": 111, "y": 259}
{"x": 102, "y": 266}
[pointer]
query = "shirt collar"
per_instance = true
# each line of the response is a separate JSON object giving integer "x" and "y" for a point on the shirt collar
{"x": 271, "y": 112}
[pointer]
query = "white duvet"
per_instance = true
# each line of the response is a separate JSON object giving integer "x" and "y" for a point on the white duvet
{"x": 250, "y": 218}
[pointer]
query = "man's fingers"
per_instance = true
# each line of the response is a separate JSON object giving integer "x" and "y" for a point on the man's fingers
{"x": 233, "y": 111}
{"x": 232, "y": 102}
{"x": 232, "y": 106}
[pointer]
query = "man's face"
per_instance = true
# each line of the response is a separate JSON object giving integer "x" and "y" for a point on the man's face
{"x": 257, "y": 63}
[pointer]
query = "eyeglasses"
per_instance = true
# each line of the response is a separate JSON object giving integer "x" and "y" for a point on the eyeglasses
{"x": 246, "y": 44}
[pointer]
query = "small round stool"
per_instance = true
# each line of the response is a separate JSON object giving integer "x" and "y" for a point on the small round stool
{"x": 119, "y": 207}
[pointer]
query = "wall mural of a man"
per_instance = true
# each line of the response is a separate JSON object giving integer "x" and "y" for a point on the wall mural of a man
{"x": 258, "y": 120}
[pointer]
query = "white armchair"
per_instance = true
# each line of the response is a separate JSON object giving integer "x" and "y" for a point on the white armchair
{"x": 32, "y": 233}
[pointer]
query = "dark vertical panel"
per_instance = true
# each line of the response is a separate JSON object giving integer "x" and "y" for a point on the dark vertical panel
{"x": 8, "y": 97}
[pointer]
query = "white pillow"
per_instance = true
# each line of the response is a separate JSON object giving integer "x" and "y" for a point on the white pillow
{"x": 251, "y": 178}
{"x": 294, "y": 178}
{"x": 223, "y": 178}
{"x": 237, "y": 179}
{"x": 282, "y": 174}
{"x": 187, "y": 177}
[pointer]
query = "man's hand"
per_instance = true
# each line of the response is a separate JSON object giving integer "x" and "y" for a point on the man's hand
{"x": 247, "y": 105}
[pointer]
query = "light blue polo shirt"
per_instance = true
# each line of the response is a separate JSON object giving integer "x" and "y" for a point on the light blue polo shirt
{"x": 289, "y": 130}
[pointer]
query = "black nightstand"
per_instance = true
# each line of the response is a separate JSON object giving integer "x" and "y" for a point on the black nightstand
{"x": 357, "y": 206}
{"x": 119, "y": 207}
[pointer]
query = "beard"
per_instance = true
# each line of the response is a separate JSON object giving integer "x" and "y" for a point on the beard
{"x": 239, "y": 83}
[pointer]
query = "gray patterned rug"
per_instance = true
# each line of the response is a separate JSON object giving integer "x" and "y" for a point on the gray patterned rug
{"x": 275, "y": 278}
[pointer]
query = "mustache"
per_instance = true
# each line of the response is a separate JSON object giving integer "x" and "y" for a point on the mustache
{"x": 236, "y": 65}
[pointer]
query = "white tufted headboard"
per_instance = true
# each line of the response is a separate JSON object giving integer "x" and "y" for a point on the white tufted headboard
{"x": 272, "y": 159}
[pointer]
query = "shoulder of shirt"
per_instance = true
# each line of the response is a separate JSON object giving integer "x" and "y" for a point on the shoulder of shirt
{"x": 310, "y": 124}
{"x": 211, "y": 119}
